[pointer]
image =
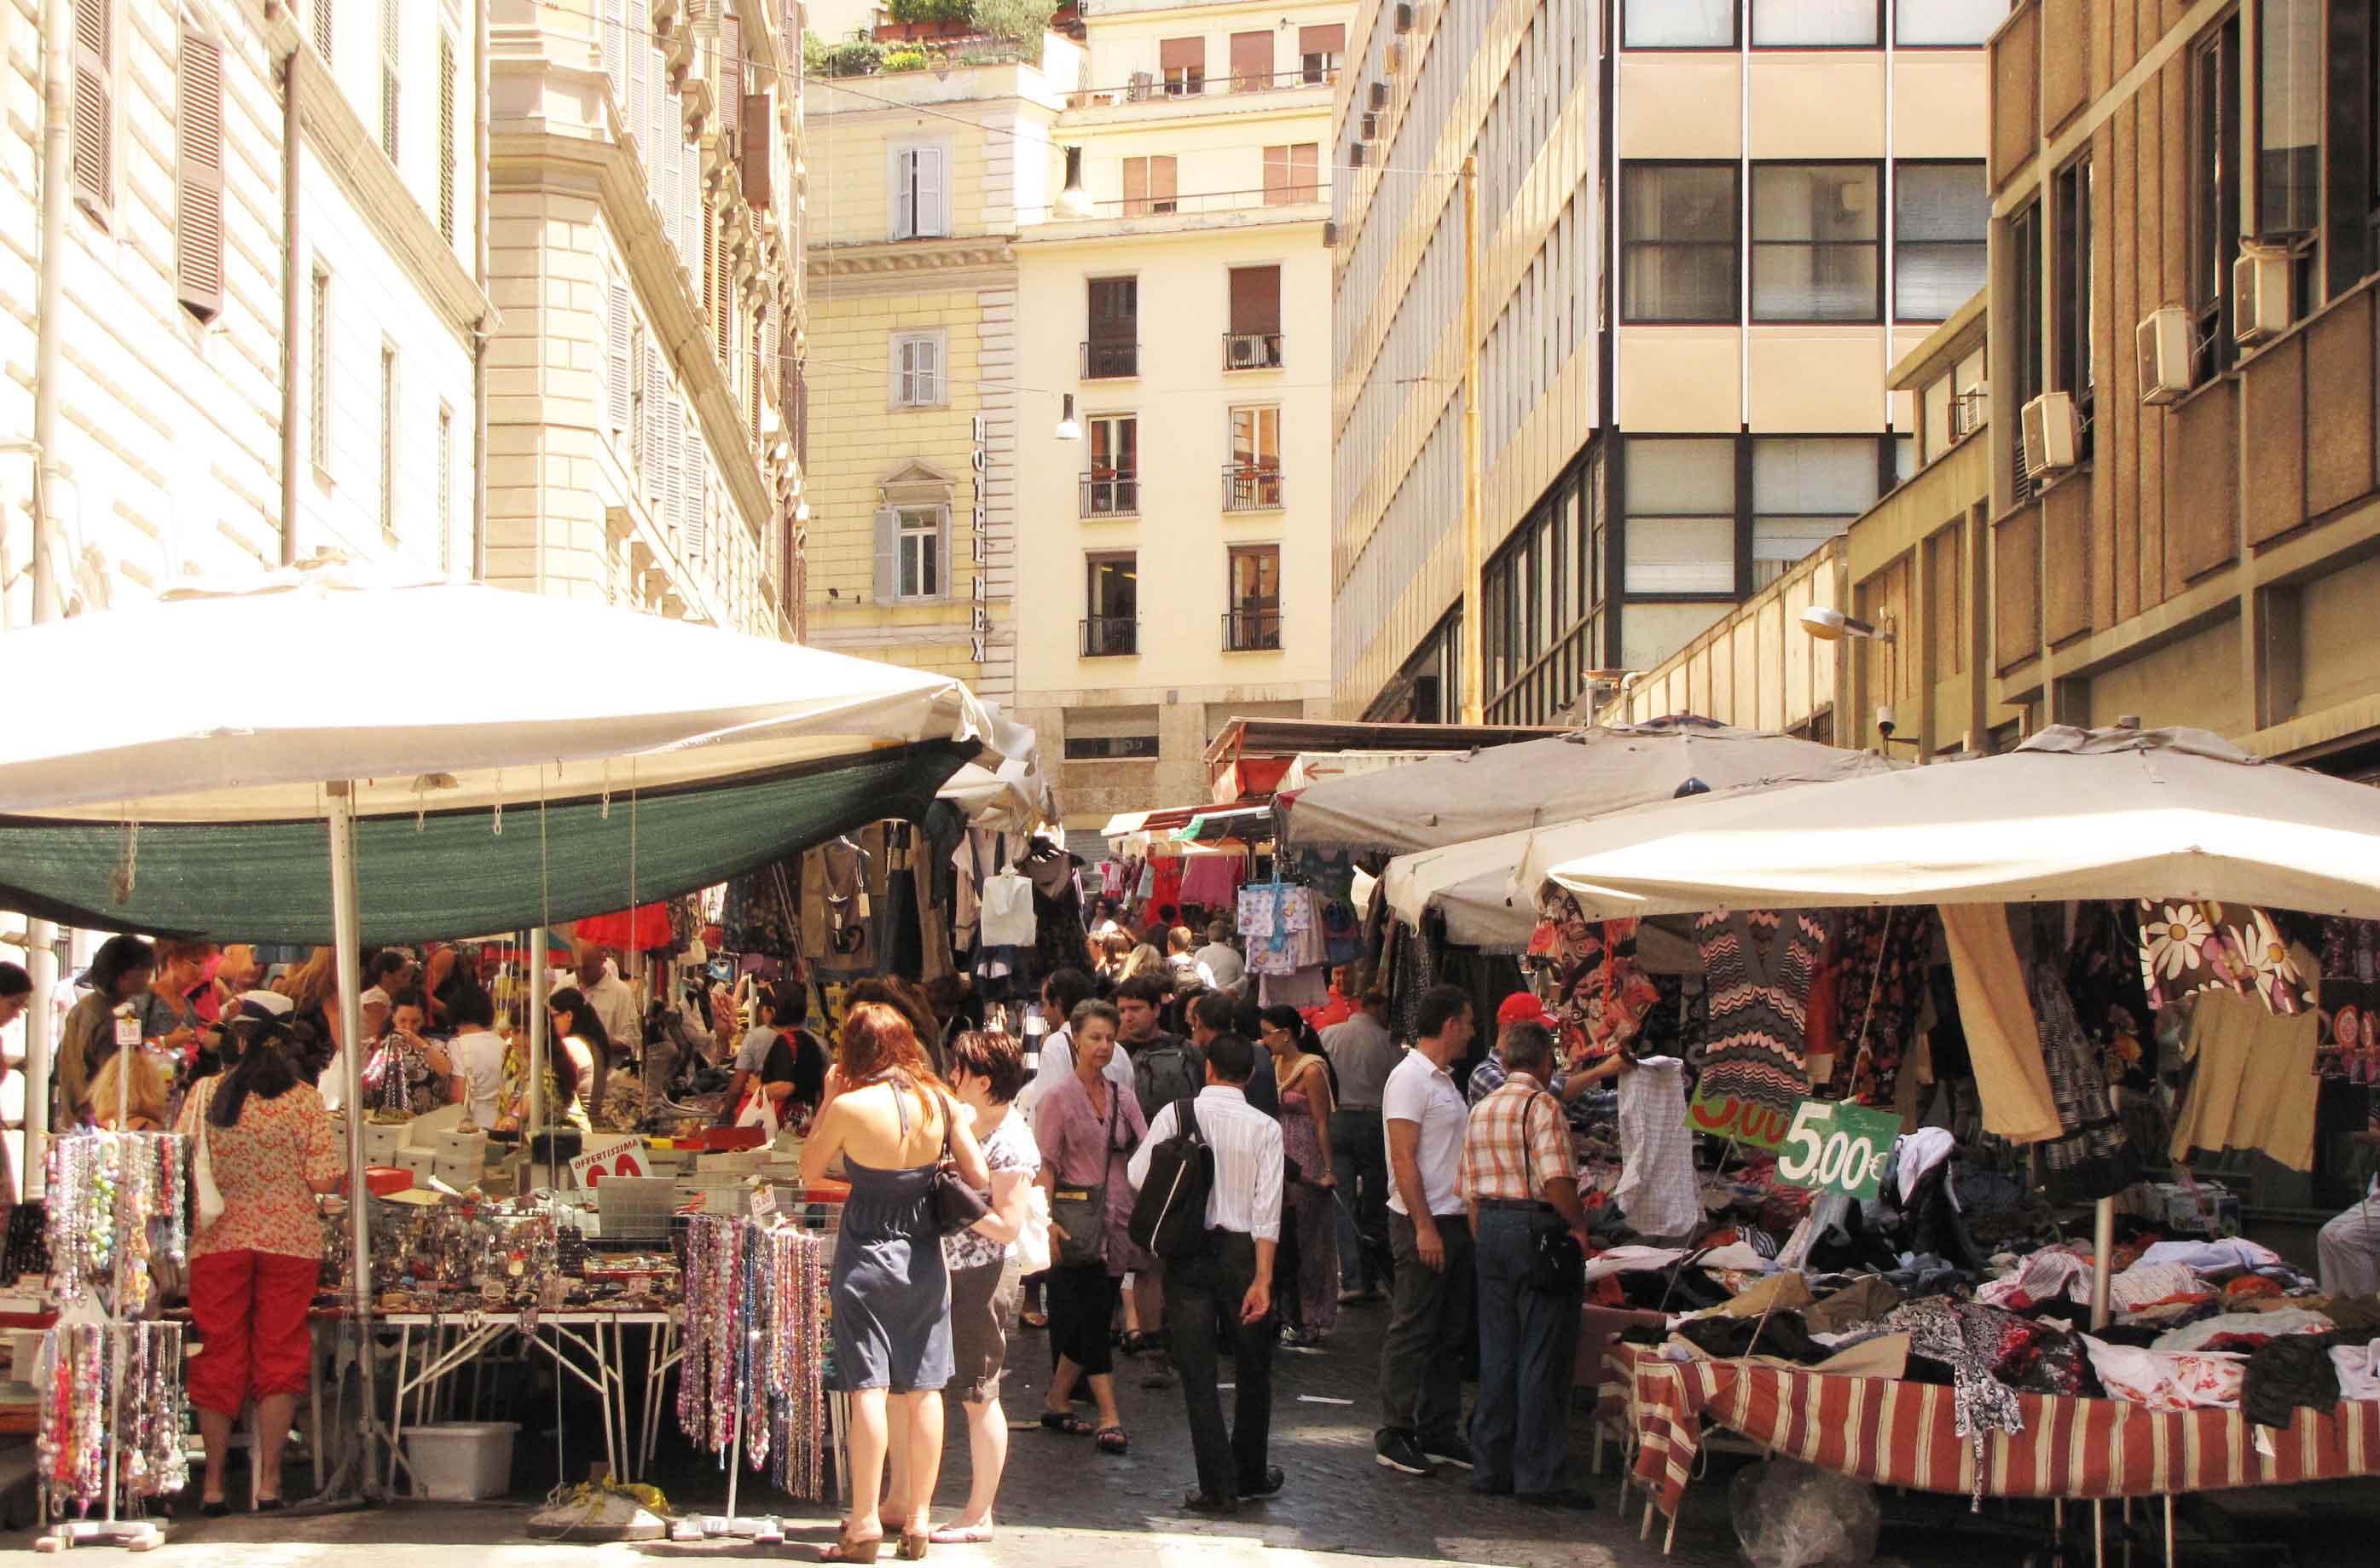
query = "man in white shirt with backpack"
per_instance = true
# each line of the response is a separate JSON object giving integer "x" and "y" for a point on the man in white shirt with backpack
{"x": 1219, "y": 1285}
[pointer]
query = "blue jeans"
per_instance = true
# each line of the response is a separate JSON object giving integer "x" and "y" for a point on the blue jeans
{"x": 1528, "y": 1341}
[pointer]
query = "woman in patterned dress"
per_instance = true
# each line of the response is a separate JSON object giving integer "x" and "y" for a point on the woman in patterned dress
{"x": 1303, "y": 1078}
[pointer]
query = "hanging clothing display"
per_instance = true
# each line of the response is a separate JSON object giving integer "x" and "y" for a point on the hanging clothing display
{"x": 1302, "y": 990}
{"x": 2254, "y": 1086}
{"x": 844, "y": 886}
{"x": 642, "y": 929}
{"x": 1060, "y": 931}
{"x": 1880, "y": 995}
{"x": 2090, "y": 1159}
{"x": 1007, "y": 903}
{"x": 1758, "y": 965}
{"x": 1605, "y": 999}
{"x": 1331, "y": 874}
{"x": 1657, "y": 1189}
{"x": 1212, "y": 882}
{"x": 2002, "y": 1036}
{"x": 1283, "y": 923}
{"x": 755, "y": 1339}
{"x": 2192, "y": 945}
{"x": 2103, "y": 976}
{"x": 763, "y": 910}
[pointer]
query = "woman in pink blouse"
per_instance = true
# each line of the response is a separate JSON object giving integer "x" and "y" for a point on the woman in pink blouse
{"x": 1087, "y": 1127}
{"x": 252, "y": 1272}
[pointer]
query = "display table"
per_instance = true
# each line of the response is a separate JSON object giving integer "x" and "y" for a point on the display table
{"x": 1901, "y": 1434}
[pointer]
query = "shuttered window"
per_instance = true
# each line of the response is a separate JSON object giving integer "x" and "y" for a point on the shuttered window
{"x": 753, "y": 374}
{"x": 1255, "y": 299}
{"x": 1318, "y": 49}
{"x": 94, "y": 108}
{"x": 324, "y": 10}
{"x": 920, "y": 202}
{"x": 911, "y": 552}
{"x": 657, "y": 426}
{"x": 1151, "y": 185}
{"x": 446, "y": 487}
{"x": 1251, "y": 62}
{"x": 759, "y": 139}
{"x": 389, "y": 56}
{"x": 199, "y": 174}
{"x": 619, "y": 363}
{"x": 318, "y": 370}
{"x": 388, "y": 441}
{"x": 698, "y": 491}
{"x": 917, "y": 371}
{"x": 615, "y": 49}
{"x": 1292, "y": 174}
{"x": 447, "y": 135}
{"x": 1183, "y": 61}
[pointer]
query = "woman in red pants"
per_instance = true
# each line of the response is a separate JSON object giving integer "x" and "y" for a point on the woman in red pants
{"x": 252, "y": 1271}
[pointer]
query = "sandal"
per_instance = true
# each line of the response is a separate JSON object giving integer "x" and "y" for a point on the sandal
{"x": 853, "y": 1549}
{"x": 913, "y": 1545}
{"x": 1037, "y": 1319}
{"x": 1115, "y": 1441}
{"x": 963, "y": 1535}
{"x": 1066, "y": 1423}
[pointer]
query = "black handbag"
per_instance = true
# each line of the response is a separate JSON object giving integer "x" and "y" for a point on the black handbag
{"x": 957, "y": 1206}
{"x": 1556, "y": 1263}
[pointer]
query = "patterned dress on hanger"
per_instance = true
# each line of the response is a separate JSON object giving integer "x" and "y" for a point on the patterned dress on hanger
{"x": 1758, "y": 966}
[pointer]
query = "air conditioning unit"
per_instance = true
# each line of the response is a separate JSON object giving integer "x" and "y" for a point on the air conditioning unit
{"x": 1247, "y": 351}
{"x": 1379, "y": 96}
{"x": 1392, "y": 59}
{"x": 2166, "y": 362}
{"x": 1404, "y": 19}
{"x": 2052, "y": 434}
{"x": 1142, "y": 88}
{"x": 1370, "y": 127}
{"x": 1969, "y": 410}
{"x": 1355, "y": 155}
{"x": 1330, "y": 233}
{"x": 2260, "y": 294}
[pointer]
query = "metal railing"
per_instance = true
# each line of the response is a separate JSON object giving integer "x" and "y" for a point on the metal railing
{"x": 1252, "y": 351}
{"x": 1111, "y": 637}
{"x": 1251, "y": 487}
{"x": 1158, "y": 87}
{"x": 1251, "y": 631}
{"x": 1111, "y": 495}
{"x": 1109, "y": 362}
{"x": 1301, "y": 186}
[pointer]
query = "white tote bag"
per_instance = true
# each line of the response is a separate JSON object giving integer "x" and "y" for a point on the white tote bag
{"x": 202, "y": 1166}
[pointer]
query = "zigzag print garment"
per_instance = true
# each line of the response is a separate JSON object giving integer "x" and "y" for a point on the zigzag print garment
{"x": 1757, "y": 966}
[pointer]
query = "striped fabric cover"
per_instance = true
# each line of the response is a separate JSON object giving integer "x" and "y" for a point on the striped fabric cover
{"x": 1901, "y": 1434}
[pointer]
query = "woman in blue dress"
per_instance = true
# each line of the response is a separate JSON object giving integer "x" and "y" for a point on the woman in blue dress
{"x": 889, "y": 1120}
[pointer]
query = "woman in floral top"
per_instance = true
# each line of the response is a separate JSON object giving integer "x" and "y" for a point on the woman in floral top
{"x": 988, "y": 1070}
{"x": 252, "y": 1272}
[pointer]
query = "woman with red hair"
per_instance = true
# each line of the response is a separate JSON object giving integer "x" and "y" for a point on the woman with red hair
{"x": 889, "y": 1120}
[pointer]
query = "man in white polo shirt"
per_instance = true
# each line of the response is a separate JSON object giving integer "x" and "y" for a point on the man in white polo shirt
{"x": 1432, "y": 1304}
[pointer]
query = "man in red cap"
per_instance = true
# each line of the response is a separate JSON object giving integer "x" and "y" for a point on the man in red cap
{"x": 1523, "y": 1008}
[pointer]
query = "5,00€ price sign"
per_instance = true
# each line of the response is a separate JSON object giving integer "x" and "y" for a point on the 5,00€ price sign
{"x": 1836, "y": 1148}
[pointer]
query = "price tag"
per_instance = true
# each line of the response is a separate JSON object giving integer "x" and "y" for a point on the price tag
{"x": 127, "y": 1032}
{"x": 1745, "y": 1121}
{"x": 621, "y": 1157}
{"x": 764, "y": 1204}
{"x": 1836, "y": 1148}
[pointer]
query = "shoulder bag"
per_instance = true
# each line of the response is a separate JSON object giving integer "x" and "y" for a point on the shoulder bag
{"x": 957, "y": 1205}
{"x": 202, "y": 1166}
{"x": 1082, "y": 1213}
{"x": 1556, "y": 1263}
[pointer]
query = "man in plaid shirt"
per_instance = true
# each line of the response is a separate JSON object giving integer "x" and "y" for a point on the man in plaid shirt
{"x": 1519, "y": 1178}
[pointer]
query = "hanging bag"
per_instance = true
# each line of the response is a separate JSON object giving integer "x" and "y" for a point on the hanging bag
{"x": 202, "y": 1166}
{"x": 957, "y": 1206}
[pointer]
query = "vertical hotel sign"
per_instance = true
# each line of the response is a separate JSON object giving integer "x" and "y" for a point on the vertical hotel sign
{"x": 979, "y": 623}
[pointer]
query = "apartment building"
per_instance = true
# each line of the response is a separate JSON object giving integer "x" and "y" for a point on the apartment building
{"x": 1793, "y": 192}
{"x": 1176, "y": 572}
{"x": 919, "y": 183}
{"x": 2184, "y": 503}
{"x": 644, "y": 244}
{"x": 177, "y": 261}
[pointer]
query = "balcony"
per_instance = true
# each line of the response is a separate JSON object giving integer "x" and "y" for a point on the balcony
{"x": 1110, "y": 362}
{"x": 1251, "y": 351}
{"x": 1111, "y": 637}
{"x": 1251, "y": 630}
{"x": 1153, "y": 87}
{"x": 1252, "y": 487}
{"x": 1107, "y": 494}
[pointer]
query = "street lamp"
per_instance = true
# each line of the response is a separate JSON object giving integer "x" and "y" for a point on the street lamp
{"x": 1068, "y": 427}
{"x": 1832, "y": 625}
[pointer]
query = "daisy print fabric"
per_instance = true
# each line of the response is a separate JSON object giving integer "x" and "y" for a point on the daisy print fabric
{"x": 2190, "y": 945}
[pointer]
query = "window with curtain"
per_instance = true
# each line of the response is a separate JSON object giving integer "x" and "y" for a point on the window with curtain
{"x": 1678, "y": 242}
{"x": 1944, "y": 24}
{"x": 1183, "y": 61}
{"x": 1940, "y": 212}
{"x": 1816, "y": 24}
{"x": 1680, "y": 516}
{"x": 1805, "y": 491}
{"x": 1815, "y": 242}
{"x": 1677, "y": 24}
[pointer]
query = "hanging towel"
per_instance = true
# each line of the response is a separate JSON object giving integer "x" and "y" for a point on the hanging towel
{"x": 2003, "y": 1039}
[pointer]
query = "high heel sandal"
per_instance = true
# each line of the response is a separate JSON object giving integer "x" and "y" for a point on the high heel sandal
{"x": 913, "y": 1545}
{"x": 853, "y": 1549}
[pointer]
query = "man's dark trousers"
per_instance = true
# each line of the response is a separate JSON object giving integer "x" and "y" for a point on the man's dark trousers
{"x": 1203, "y": 1295}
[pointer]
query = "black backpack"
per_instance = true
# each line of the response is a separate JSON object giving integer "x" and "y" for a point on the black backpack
{"x": 1169, "y": 1215}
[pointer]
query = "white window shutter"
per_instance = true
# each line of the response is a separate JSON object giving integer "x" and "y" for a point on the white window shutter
{"x": 660, "y": 157}
{"x": 929, "y": 371}
{"x": 905, "y": 193}
{"x": 697, "y": 526}
{"x": 944, "y": 571}
{"x": 635, "y": 111}
{"x": 888, "y": 554}
{"x": 932, "y": 193}
{"x": 619, "y": 370}
{"x": 199, "y": 176}
{"x": 689, "y": 161}
{"x": 616, "y": 53}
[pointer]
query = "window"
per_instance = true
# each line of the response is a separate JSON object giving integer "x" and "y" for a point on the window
{"x": 1804, "y": 492}
{"x": 1251, "y": 61}
{"x": 619, "y": 357}
{"x": 911, "y": 552}
{"x": 447, "y": 135}
{"x": 389, "y": 49}
{"x": 1677, "y": 240}
{"x": 1113, "y": 346}
{"x": 1183, "y": 61}
{"x": 318, "y": 370}
{"x": 1939, "y": 214}
{"x": 1816, "y": 24}
{"x": 2289, "y": 116}
{"x": 388, "y": 441}
{"x": 2214, "y": 189}
{"x": 1815, "y": 242}
{"x": 1318, "y": 49}
{"x": 446, "y": 487}
{"x": 2024, "y": 329}
{"x": 323, "y": 11}
{"x": 1942, "y": 24}
{"x": 2352, "y": 182}
{"x": 920, "y": 198}
{"x": 1112, "y": 605}
{"x": 93, "y": 163}
{"x": 1110, "y": 748}
{"x": 1253, "y": 623}
{"x": 1679, "y": 24}
{"x": 199, "y": 174}
{"x": 1292, "y": 174}
{"x": 1150, "y": 186}
{"x": 1112, "y": 487}
{"x": 1252, "y": 479}
{"x": 917, "y": 380}
{"x": 1253, "y": 341}
{"x": 1680, "y": 511}
{"x": 2074, "y": 301}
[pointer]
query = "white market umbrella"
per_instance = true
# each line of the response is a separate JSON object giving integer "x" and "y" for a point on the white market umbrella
{"x": 1533, "y": 783}
{"x": 2112, "y": 813}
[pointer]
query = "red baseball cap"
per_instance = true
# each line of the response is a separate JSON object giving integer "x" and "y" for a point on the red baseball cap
{"x": 1521, "y": 1008}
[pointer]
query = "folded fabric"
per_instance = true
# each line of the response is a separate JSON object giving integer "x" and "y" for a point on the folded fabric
{"x": 2266, "y": 1325}
{"x": 2169, "y": 1383}
{"x": 2146, "y": 1285}
{"x": 2047, "y": 1275}
{"x": 1630, "y": 1259}
{"x": 1865, "y": 1300}
{"x": 2358, "y": 1367}
{"x": 2227, "y": 1256}
{"x": 1777, "y": 1292}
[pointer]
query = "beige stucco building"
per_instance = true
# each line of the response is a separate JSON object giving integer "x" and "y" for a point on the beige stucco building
{"x": 1793, "y": 195}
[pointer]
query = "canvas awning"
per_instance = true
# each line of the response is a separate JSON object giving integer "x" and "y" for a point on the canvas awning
{"x": 2112, "y": 813}
{"x": 1535, "y": 784}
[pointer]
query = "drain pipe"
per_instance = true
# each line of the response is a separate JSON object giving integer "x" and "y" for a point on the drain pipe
{"x": 294, "y": 290}
{"x": 481, "y": 332}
